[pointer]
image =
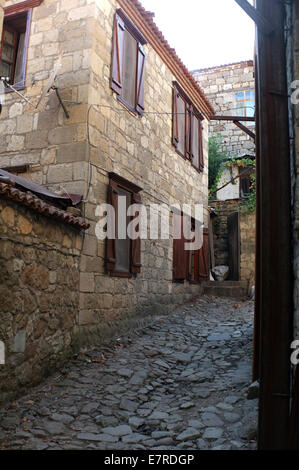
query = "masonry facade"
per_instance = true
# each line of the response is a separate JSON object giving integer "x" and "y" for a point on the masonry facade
{"x": 230, "y": 89}
{"x": 106, "y": 144}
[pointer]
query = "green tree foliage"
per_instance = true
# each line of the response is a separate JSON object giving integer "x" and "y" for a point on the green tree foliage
{"x": 216, "y": 158}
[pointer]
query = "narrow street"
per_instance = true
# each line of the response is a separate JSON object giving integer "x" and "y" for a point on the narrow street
{"x": 180, "y": 382}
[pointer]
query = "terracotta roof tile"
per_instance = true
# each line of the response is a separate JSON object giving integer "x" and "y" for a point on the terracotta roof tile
{"x": 38, "y": 205}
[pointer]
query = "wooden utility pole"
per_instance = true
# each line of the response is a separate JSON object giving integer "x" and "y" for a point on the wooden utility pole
{"x": 274, "y": 227}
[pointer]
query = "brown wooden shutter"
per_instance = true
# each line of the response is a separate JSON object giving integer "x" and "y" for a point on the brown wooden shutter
{"x": 193, "y": 274}
{"x": 194, "y": 145}
{"x": 204, "y": 258}
{"x": 188, "y": 132}
{"x": 111, "y": 242}
{"x": 175, "y": 131}
{"x": 117, "y": 54}
{"x": 136, "y": 244}
{"x": 180, "y": 257}
{"x": 200, "y": 149}
{"x": 140, "y": 80}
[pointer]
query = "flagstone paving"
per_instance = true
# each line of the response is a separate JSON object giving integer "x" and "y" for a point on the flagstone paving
{"x": 179, "y": 382}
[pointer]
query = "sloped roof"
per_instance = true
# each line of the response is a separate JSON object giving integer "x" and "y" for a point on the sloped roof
{"x": 17, "y": 192}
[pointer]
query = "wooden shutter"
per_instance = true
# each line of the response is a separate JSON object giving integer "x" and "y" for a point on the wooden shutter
{"x": 111, "y": 242}
{"x": 193, "y": 274}
{"x": 140, "y": 80}
{"x": 180, "y": 257}
{"x": 136, "y": 244}
{"x": 175, "y": 131}
{"x": 200, "y": 149}
{"x": 195, "y": 140}
{"x": 179, "y": 123}
{"x": 188, "y": 132}
{"x": 117, "y": 54}
{"x": 204, "y": 258}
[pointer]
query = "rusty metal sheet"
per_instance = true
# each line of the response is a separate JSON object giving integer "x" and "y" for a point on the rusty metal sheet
{"x": 40, "y": 190}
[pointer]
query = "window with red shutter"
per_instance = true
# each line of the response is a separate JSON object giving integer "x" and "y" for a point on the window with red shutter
{"x": 128, "y": 63}
{"x": 187, "y": 128}
{"x": 123, "y": 255}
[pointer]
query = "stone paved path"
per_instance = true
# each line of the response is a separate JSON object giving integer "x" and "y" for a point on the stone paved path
{"x": 178, "y": 383}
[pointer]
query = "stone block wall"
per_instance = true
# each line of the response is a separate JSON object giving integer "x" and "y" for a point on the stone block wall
{"x": 39, "y": 295}
{"x": 73, "y": 155}
{"x": 248, "y": 242}
{"x": 140, "y": 150}
{"x": 220, "y": 230}
{"x": 43, "y": 137}
{"x": 247, "y": 237}
{"x": 220, "y": 85}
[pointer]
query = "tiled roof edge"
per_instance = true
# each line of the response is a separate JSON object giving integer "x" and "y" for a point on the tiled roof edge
{"x": 38, "y": 205}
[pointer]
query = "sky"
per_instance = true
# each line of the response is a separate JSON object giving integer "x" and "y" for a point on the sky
{"x": 204, "y": 33}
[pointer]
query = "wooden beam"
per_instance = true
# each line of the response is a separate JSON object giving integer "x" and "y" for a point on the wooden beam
{"x": 233, "y": 118}
{"x": 21, "y": 7}
{"x": 245, "y": 129}
{"x": 275, "y": 287}
{"x": 262, "y": 23}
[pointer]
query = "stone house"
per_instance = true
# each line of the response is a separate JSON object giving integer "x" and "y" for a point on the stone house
{"x": 134, "y": 123}
{"x": 231, "y": 90}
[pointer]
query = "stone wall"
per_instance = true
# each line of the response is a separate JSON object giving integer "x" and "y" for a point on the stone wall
{"x": 39, "y": 295}
{"x": 220, "y": 230}
{"x": 247, "y": 237}
{"x": 73, "y": 155}
{"x": 220, "y": 85}
{"x": 140, "y": 150}
{"x": 248, "y": 241}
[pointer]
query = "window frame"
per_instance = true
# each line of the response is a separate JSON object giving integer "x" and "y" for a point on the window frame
{"x": 11, "y": 12}
{"x": 191, "y": 113}
{"x": 122, "y": 23}
{"x": 115, "y": 182}
{"x": 244, "y": 101}
{"x": 247, "y": 172}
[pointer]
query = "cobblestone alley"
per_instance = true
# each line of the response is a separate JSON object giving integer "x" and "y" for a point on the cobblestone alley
{"x": 180, "y": 382}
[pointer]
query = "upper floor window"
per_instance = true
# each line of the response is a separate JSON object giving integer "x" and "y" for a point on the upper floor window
{"x": 245, "y": 104}
{"x": 13, "y": 48}
{"x": 128, "y": 63}
{"x": 187, "y": 128}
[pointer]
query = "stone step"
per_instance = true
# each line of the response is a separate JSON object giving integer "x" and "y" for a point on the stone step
{"x": 232, "y": 289}
{"x": 228, "y": 283}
